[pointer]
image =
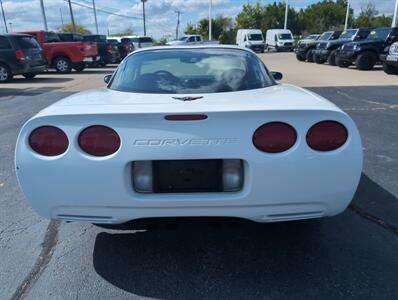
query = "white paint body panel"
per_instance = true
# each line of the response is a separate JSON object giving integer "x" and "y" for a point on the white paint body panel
{"x": 297, "y": 184}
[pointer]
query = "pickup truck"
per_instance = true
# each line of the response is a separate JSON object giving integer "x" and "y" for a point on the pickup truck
{"x": 63, "y": 56}
{"x": 366, "y": 54}
{"x": 305, "y": 48}
{"x": 326, "y": 51}
{"x": 390, "y": 60}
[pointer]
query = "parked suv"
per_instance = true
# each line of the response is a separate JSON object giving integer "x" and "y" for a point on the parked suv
{"x": 326, "y": 50}
{"x": 63, "y": 56}
{"x": 104, "y": 49}
{"x": 365, "y": 54}
{"x": 390, "y": 60}
{"x": 305, "y": 48}
{"x": 20, "y": 54}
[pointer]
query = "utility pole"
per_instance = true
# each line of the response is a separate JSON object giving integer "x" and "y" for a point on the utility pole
{"x": 347, "y": 15}
{"x": 286, "y": 13}
{"x": 143, "y": 14}
{"x": 71, "y": 16}
{"x": 95, "y": 17}
{"x": 178, "y": 12}
{"x": 62, "y": 18}
{"x": 43, "y": 14}
{"x": 395, "y": 18}
{"x": 4, "y": 17}
{"x": 210, "y": 19}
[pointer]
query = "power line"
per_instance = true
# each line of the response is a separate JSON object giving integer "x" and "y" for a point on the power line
{"x": 102, "y": 10}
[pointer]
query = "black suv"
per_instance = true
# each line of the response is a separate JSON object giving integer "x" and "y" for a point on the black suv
{"x": 104, "y": 49}
{"x": 326, "y": 51}
{"x": 390, "y": 60}
{"x": 365, "y": 54}
{"x": 305, "y": 48}
{"x": 20, "y": 54}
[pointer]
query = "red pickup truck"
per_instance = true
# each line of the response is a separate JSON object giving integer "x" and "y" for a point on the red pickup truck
{"x": 63, "y": 56}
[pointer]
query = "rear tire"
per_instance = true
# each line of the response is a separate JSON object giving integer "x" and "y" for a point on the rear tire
{"x": 309, "y": 56}
{"x": 80, "y": 67}
{"x": 29, "y": 75}
{"x": 5, "y": 73}
{"x": 63, "y": 65}
{"x": 366, "y": 61}
{"x": 300, "y": 58}
{"x": 391, "y": 70}
{"x": 332, "y": 58}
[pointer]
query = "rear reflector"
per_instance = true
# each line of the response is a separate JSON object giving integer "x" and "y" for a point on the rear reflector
{"x": 274, "y": 137}
{"x": 99, "y": 140}
{"x": 20, "y": 55}
{"x": 186, "y": 117}
{"x": 327, "y": 136}
{"x": 48, "y": 141}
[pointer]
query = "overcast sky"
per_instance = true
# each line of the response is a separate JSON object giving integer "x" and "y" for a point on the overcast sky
{"x": 161, "y": 17}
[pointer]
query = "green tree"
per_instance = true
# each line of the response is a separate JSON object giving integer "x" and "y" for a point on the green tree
{"x": 127, "y": 31}
{"x": 369, "y": 17}
{"x": 69, "y": 28}
{"x": 220, "y": 25}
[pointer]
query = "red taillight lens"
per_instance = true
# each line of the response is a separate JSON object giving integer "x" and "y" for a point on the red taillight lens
{"x": 48, "y": 141}
{"x": 327, "y": 136}
{"x": 274, "y": 137}
{"x": 99, "y": 140}
{"x": 20, "y": 55}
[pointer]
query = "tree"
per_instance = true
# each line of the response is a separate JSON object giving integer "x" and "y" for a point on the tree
{"x": 69, "y": 28}
{"x": 220, "y": 25}
{"x": 369, "y": 17}
{"x": 127, "y": 31}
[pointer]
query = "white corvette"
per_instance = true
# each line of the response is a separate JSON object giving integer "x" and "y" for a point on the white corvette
{"x": 190, "y": 131}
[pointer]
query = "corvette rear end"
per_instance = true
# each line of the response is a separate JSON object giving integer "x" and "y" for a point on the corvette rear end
{"x": 276, "y": 153}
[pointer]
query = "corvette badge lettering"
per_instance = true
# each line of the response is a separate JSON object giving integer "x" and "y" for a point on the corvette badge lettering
{"x": 184, "y": 142}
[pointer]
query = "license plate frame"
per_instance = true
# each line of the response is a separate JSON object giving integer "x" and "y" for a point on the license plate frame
{"x": 187, "y": 176}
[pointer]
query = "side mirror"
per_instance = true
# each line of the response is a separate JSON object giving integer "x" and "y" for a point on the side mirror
{"x": 107, "y": 78}
{"x": 277, "y": 75}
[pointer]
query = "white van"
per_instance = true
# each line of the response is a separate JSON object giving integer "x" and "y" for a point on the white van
{"x": 250, "y": 38}
{"x": 279, "y": 39}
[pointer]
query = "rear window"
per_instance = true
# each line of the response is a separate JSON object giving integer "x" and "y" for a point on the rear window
{"x": 145, "y": 40}
{"x": 51, "y": 37}
{"x": 191, "y": 71}
{"x": 27, "y": 42}
{"x": 4, "y": 43}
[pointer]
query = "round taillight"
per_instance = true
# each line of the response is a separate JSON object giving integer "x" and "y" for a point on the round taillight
{"x": 327, "y": 136}
{"x": 274, "y": 137}
{"x": 99, "y": 140}
{"x": 48, "y": 141}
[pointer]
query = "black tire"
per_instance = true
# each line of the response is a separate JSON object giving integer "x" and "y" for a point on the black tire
{"x": 309, "y": 56}
{"x": 389, "y": 69}
{"x": 332, "y": 58}
{"x": 63, "y": 65}
{"x": 342, "y": 63}
{"x": 318, "y": 60}
{"x": 80, "y": 67}
{"x": 366, "y": 61}
{"x": 29, "y": 75}
{"x": 300, "y": 58}
{"x": 5, "y": 73}
{"x": 262, "y": 51}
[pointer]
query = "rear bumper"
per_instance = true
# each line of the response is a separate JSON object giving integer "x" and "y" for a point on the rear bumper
{"x": 322, "y": 54}
{"x": 298, "y": 184}
{"x": 23, "y": 68}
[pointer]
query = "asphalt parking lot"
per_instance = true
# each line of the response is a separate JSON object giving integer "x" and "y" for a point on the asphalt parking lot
{"x": 353, "y": 255}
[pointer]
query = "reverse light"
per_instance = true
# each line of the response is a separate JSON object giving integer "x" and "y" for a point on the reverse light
{"x": 327, "y": 136}
{"x": 99, "y": 140}
{"x": 48, "y": 141}
{"x": 143, "y": 176}
{"x": 274, "y": 137}
{"x": 232, "y": 175}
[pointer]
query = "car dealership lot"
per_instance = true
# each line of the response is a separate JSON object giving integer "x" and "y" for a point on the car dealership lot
{"x": 351, "y": 255}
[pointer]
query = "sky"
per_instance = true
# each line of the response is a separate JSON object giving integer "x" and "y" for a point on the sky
{"x": 160, "y": 14}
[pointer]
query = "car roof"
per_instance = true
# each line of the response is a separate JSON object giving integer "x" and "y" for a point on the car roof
{"x": 16, "y": 34}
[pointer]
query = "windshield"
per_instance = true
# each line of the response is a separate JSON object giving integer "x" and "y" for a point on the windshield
{"x": 311, "y": 37}
{"x": 349, "y": 34}
{"x": 285, "y": 36}
{"x": 145, "y": 40}
{"x": 325, "y": 36}
{"x": 183, "y": 38}
{"x": 27, "y": 42}
{"x": 379, "y": 34}
{"x": 255, "y": 37}
{"x": 191, "y": 71}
